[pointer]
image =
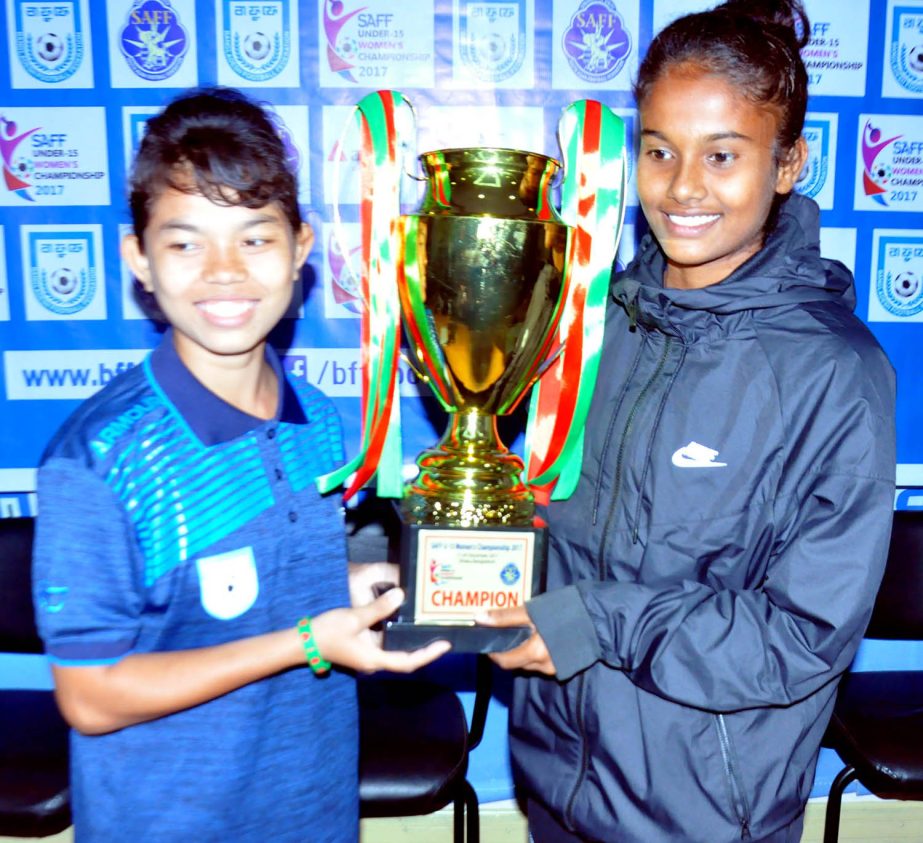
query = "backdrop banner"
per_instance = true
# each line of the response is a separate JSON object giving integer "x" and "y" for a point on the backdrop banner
{"x": 79, "y": 78}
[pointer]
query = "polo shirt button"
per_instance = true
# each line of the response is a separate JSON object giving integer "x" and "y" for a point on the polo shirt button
{"x": 278, "y": 474}
{"x": 293, "y": 516}
{"x": 271, "y": 433}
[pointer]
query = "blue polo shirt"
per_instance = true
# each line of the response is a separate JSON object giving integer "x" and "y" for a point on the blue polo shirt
{"x": 170, "y": 520}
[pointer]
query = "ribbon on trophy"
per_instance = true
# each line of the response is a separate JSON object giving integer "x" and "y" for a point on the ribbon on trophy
{"x": 592, "y": 141}
{"x": 382, "y": 118}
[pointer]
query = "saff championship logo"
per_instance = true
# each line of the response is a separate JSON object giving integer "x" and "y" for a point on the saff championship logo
{"x": 18, "y": 169}
{"x": 342, "y": 287}
{"x": 906, "y": 47}
{"x": 49, "y": 38}
{"x": 898, "y": 281}
{"x": 342, "y": 50}
{"x": 153, "y": 40}
{"x": 596, "y": 43}
{"x": 492, "y": 37}
{"x": 877, "y": 170}
{"x": 257, "y": 38}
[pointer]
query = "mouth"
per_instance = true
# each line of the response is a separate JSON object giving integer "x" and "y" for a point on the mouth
{"x": 691, "y": 223}
{"x": 226, "y": 312}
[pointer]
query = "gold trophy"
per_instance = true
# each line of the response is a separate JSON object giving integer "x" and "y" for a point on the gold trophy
{"x": 480, "y": 287}
{"x": 494, "y": 291}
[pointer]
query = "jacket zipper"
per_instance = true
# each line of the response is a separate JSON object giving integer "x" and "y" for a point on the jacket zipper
{"x": 581, "y": 680}
{"x": 616, "y": 484}
{"x": 738, "y": 794}
{"x": 585, "y": 754}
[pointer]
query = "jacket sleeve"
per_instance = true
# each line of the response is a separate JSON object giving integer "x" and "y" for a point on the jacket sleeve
{"x": 724, "y": 650}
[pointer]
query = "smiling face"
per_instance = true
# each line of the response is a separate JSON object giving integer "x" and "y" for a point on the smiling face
{"x": 223, "y": 275}
{"x": 708, "y": 172}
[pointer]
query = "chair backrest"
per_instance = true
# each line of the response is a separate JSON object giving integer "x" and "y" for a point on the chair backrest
{"x": 17, "y": 620}
{"x": 898, "y": 612}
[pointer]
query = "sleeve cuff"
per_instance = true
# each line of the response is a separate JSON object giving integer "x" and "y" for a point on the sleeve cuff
{"x": 562, "y": 620}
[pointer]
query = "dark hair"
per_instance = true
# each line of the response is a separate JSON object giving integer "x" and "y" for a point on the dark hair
{"x": 754, "y": 44}
{"x": 217, "y": 142}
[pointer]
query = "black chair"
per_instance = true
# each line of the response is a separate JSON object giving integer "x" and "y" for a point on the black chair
{"x": 34, "y": 789}
{"x": 414, "y": 743}
{"x": 877, "y": 723}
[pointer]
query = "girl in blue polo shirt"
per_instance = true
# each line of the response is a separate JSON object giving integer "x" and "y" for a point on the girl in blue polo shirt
{"x": 185, "y": 564}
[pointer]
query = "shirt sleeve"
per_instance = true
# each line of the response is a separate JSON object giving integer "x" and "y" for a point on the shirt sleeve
{"x": 86, "y": 588}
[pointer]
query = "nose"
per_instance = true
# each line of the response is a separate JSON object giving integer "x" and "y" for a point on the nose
{"x": 224, "y": 265}
{"x": 687, "y": 184}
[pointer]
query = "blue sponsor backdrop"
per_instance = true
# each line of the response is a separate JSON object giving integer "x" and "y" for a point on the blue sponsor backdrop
{"x": 80, "y": 77}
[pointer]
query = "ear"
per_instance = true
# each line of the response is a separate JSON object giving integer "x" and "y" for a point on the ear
{"x": 304, "y": 241}
{"x": 137, "y": 261}
{"x": 791, "y": 166}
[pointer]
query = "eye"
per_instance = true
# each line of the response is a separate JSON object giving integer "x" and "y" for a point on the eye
{"x": 181, "y": 246}
{"x": 658, "y": 154}
{"x": 723, "y": 158}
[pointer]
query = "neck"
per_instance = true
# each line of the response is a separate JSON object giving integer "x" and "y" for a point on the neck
{"x": 245, "y": 381}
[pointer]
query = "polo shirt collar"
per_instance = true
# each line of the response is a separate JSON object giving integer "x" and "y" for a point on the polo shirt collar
{"x": 211, "y": 418}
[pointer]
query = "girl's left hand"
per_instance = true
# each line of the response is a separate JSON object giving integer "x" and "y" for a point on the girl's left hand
{"x": 531, "y": 655}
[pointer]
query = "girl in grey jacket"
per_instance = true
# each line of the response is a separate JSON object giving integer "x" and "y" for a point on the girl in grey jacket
{"x": 711, "y": 577}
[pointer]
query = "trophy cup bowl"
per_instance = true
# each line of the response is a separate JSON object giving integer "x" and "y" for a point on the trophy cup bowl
{"x": 481, "y": 282}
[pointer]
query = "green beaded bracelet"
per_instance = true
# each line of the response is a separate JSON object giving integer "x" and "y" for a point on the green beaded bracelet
{"x": 311, "y": 653}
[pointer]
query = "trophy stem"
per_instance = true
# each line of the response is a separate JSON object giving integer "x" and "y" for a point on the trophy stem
{"x": 469, "y": 479}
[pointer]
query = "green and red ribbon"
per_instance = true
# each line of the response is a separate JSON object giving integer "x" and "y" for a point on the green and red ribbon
{"x": 381, "y": 116}
{"x": 593, "y": 143}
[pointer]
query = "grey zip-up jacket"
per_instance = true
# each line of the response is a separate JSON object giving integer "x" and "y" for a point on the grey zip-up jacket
{"x": 712, "y": 575}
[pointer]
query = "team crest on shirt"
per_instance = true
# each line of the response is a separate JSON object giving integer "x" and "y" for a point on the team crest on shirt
{"x": 228, "y": 583}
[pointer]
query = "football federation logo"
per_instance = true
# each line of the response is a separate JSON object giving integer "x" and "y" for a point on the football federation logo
{"x": 898, "y": 274}
{"x": 257, "y": 38}
{"x": 876, "y": 172}
{"x": 906, "y": 48}
{"x": 492, "y": 37}
{"x": 153, "y": 40}
{"x": 596, "y": 43}
{"x": 814, "y": 174}
{"x": 17, "y": 169}
{"x": 62, "y": 271}
{"x": 49, "y": 38}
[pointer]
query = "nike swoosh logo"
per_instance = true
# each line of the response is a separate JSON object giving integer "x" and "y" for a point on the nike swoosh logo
{"x": 695, "y": 455}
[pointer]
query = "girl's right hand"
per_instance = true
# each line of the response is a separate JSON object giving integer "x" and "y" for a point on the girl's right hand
{"x": 344, "y": 637}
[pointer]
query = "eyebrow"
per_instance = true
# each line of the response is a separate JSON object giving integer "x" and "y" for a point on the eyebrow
{"x": 717, "y": 136}
{"x": 182, "y": 225}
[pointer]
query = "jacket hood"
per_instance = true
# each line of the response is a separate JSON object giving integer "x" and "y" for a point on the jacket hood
{"x": 787, "y": 270}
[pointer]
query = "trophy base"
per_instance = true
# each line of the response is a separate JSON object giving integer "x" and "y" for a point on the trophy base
{"x": 450, "y": 574}
{"x": 464, "y": 639}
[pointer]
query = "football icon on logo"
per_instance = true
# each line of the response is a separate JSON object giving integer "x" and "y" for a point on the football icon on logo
{"x": 49, "y": 47}
{"x": 915, "y": 58}
{"x": 63, "y": 281}
{"x": 257, "y": 46}
{"x": 906, "y": 285}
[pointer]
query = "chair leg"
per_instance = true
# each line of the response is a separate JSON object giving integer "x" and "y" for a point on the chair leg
{"x": 834, "y": 798}
{"x": 465, "y": 816}
{"x": 458, "y": 817}
{"x": 472, "y": 816}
